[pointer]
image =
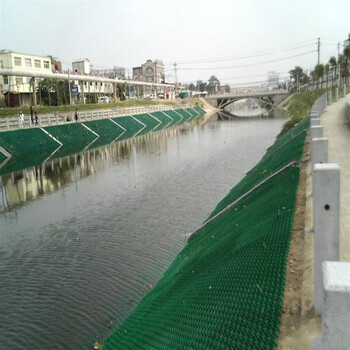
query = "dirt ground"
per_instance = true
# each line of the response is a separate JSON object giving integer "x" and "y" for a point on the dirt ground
{"x": 299, "y": 324}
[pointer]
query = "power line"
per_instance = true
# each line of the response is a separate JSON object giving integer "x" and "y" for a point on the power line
{"x": 251, "y": 76}
{"x": 251, "y": 64}
{"x": 253, "y": 54}
{"x": 248, "y": 55}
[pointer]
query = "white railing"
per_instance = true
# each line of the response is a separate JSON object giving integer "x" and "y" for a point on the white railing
{"x": 13, "y": 123}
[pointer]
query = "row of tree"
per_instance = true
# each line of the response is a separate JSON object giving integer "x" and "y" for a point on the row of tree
{"x": 53, "y": 92}
{"x": 322, "y": 73}
{"x": 212, "y": 86}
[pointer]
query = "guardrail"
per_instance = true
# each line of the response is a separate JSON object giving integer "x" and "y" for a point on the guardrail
{"x": 13, "y": 123}
{"x": 347, "y": 112}
{"x": 331, "y": 277}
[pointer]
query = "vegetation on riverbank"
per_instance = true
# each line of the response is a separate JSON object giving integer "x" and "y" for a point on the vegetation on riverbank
{"x": 299, "y": 106}
{"x": 6, "y": 112}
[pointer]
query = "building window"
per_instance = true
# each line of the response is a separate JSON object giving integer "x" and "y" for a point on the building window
{"x": 28, "y": 62}
{"x": 18, "y": 61}
{"x": 37, "y": 63}
{"x": 6, "y": 79}
{"x": 46, "y": 64}
{"x": 19, "y": 81}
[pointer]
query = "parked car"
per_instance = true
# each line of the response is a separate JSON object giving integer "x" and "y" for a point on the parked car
{"x": 103, "y": 99}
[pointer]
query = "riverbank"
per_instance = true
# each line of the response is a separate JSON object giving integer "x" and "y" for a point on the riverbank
{"x": 6, "y": 112}
{"x": 225, "y": 289}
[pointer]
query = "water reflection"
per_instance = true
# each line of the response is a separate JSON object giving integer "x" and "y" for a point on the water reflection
{"x": 248, "y": 108}
{"x": 106, "y": 224}
{"x": 22, "y": 186}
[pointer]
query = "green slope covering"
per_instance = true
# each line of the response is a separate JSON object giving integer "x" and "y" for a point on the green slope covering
{"x": 25, "y": 141}
{"x": 131, "y": 125}
{"x": 175, "y": 116}
{"x": 185, "y": 115}
{"x": 104, "y": 127}
{"x": 225, "y": 289}
{"x": 165, "y": 121}
{"x": 25, "y": 160}
{"x": 2, "y": 157}
{"x": 146, "y": 119}
{"x": 69, "y": 133}
{"x": 192, "y": 112}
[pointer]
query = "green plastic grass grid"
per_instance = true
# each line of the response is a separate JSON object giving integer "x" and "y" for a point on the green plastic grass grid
{"x": 175, "y": 116}
{"x": 146, "y": 119}
{"x": 185, "y": 115}
{"x": 2, "y": 157}
{"x": 131, "y": 125}
{"x": 104, "y": 127}
{"x": 70, "y": 133}
{"x": 165, "y": 121}
{"x": 225, "y": 289}
{"x": 25, "y": 160}
{"x": 291, "y": 151}
{"x": 17, "y": 142}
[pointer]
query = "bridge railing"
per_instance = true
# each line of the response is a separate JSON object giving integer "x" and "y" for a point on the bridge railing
{"x": 257, "y": 93}
{"x": 13, "y": 123}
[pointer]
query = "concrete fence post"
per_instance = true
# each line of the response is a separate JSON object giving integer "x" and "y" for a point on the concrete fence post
{"x": 40, "y": 120}
{"x": 326, "y": 192}
{"x": 48, "y": 119}
{"x": 7, "y": 124}
{"x": 319, "y": 150}
{"x": 344, "y": 90}
{"x": 316, "y": 131}
{"x": 30, "y": 122}
{"x": 330, "y": 97}
{"x": 336, "y": 94}
{"x": 315, "y": 121}
{"x": 19, "y": 122}
{"x": 336, "y": 307}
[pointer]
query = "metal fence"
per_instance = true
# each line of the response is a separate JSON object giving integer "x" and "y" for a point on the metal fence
{"x": 13, "y": 123}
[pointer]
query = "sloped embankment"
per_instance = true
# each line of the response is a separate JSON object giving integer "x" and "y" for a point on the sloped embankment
{"x": 225, "y": 289}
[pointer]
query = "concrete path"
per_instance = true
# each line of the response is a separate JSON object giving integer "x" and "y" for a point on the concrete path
{"x": 337, "y": 130}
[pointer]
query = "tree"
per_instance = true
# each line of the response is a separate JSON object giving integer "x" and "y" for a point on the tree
{"x": 191, "y": 87}
{"x": 296, "y": 75}
{"x": 326, "y": 69}
{"x": 201, "y": 86}
{"x": 227, "y": 88}
{"x": 213, "y": 84}
{"x": 333, "y": 65}
{"x": 319, "y": 72}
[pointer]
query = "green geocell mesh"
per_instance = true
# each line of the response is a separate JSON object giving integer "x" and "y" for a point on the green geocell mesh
{"x": 225, "y": 289}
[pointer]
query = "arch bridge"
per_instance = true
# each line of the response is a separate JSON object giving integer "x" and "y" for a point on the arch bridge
{"x": 270, "y": 98}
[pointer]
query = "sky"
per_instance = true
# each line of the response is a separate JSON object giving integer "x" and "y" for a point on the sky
{"x": 237, "y": 41}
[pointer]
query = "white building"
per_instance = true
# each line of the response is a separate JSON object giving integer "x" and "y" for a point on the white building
{"x": 18, "y": 89}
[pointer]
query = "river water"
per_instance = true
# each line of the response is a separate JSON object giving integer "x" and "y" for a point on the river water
{"x": 84, "y": 238}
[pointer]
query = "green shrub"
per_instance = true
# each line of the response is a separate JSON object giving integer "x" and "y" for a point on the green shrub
{"x": 299, "y": 107}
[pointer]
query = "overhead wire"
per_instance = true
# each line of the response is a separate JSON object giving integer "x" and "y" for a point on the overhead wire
{"x": 250, "y": 64}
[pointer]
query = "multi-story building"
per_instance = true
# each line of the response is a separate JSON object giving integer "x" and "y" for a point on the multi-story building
{"x": 112, "y": 73}
{"x": 18, "y": 90}
{"x": 272, "y": 79}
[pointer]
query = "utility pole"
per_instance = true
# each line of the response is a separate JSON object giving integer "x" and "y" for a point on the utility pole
{"x": 175, "y": 65}
{"x": 318, "y": 50}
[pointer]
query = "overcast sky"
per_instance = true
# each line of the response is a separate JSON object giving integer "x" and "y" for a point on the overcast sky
{"x": 194, "y": 33}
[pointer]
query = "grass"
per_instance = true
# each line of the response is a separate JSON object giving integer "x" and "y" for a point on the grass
{"x": 6, "y": 112}
{"x": 299, "y": 107}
